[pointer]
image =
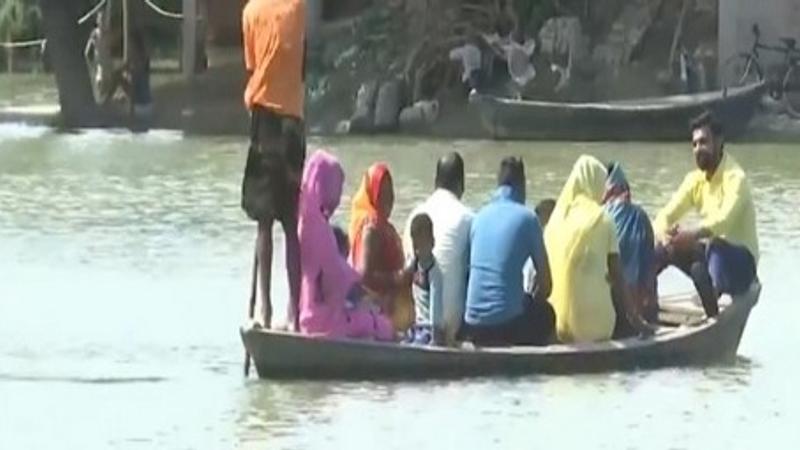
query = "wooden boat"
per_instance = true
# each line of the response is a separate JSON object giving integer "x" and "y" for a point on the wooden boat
{"x": 648, "y": 119}
{"x": 684, "y": 337}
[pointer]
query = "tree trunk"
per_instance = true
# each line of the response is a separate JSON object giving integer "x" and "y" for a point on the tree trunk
{"x": 60, "y": 19}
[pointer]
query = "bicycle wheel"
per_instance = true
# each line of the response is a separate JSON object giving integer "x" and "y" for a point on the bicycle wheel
{"x": 791, "y": 91}
{"x": 740, "y": 70}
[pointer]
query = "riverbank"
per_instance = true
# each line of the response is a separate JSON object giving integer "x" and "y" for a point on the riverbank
{"x": 211, "y": 104}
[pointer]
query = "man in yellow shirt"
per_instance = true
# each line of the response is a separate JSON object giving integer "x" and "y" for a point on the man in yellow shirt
{"x": 274, "y": 55}
{"x": 720, "y": 254}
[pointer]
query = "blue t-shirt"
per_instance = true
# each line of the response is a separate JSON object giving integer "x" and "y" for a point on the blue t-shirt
{"x": 503, "y": 236}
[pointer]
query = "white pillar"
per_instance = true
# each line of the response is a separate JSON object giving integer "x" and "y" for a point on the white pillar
{"x": 189, "y": 33}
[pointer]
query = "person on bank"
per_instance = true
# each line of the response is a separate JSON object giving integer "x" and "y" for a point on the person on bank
{"x": 636, "y": 245}
{"x": 327, "y": 281}
{"x": 274, "y": 53}
{"x": 721, "y": 254}
{"x": 583, "y": 249}
{"x": 451, "y": 221}
{"x": 376, "y": 249}
{"x": 503, "y": 235}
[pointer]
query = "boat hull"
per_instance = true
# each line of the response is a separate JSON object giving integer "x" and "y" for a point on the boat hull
{"x": 656, "y": 119}
{"x": 289, "y": 355}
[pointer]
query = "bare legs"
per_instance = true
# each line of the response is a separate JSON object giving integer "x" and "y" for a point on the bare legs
{"x": 264, "y": 252}
{"x": 293, "y": 272}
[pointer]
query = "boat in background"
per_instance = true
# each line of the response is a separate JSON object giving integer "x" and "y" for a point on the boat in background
{"x": 684, "y": 337}
{"x": 647, "y": 119}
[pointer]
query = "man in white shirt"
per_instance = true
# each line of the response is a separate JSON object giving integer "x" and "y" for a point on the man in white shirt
{"x": 451, "y": 224}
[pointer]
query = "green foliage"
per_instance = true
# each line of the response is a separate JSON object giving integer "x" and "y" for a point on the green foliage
{"x": 19, "y": 17}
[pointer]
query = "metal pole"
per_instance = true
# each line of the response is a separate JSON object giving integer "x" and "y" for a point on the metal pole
{"x": 125, "y": 32}
{"x": 189, "y": 58}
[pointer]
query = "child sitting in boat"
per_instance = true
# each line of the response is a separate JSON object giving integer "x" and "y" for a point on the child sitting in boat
{"x": 342, "y": 241}
{"x": 427, "y": 285}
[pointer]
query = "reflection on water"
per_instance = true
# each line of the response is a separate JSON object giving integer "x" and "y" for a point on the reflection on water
{"x": 125, "y": 262}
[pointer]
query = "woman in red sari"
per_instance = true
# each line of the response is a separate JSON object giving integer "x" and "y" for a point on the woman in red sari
{"x": 377, "y": 251}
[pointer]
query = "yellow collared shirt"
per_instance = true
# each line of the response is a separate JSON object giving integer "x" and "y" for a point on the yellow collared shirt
{"x": 724, "y": 203}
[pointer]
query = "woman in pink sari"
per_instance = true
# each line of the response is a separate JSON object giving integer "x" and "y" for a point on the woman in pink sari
{"x": 326, "y": 278}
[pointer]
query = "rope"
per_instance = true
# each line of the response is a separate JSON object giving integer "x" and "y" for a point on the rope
{"x": 86, "y": 17}
{"x": 23, "y": 44}
{"x": 163, "y": 12}
{"x": 92, "y": 12}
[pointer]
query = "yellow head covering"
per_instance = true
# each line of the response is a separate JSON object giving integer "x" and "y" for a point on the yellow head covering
{"x": 569, "y": 237}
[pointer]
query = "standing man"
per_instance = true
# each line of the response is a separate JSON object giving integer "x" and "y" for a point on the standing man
{"x": 451, "y": 223}
{"x": 274, "y": 55}
{"x": 720, "y": 254}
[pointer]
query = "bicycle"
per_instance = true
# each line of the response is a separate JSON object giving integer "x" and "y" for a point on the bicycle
{"x": 785, "y": 87}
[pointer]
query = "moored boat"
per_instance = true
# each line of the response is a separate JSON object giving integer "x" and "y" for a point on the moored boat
{"x": 647, "y": 119}
{"x": 684, "y": 337}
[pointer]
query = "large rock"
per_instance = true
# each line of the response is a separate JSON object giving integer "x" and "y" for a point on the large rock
{"x": 363, "y": 119}
{"x": 387, "y": 106}
{"x": 419, "y": 116}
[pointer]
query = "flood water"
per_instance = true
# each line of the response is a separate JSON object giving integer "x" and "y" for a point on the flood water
{"x": 124, "y": 275}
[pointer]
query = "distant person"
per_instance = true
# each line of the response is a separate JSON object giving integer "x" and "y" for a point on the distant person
{"x": 469, "y": 55}
{"x": 274, "y": 53}
{"x": 98, "y": 53}
{"x": 141, "y": 96}
{"x": 503, "y": 236}
{"x": 429, "y": 326}
{"x": 636, "y": 247}
{"x": 721, "y": 254}
{"x": 517, "y": 52}
{"x": 451, "y": 224}
{"x": 376, "y": 249}
{"x": 584, "y": 256}
{"x": 544, "y": 209}
{"x": 328, "y": 282}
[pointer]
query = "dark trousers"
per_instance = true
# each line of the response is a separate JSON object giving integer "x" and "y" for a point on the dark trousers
{"x": 535, "y": 326}
{"x": 715, "y": 268}
{"x": 271, "y": 183}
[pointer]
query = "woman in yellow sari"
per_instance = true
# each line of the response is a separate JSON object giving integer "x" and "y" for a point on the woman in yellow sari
{"x": 583, "y": 252}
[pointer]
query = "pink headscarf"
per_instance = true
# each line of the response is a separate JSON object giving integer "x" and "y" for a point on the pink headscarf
{"x": 326, "y": 278}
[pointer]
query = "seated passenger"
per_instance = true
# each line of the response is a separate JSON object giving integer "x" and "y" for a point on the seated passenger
{"x": 503, "y": 236}
{"x": 544, "y": 209}
{"x": 722, "y": 253}
{"x": 636, "y": 247}
{"x": 584, "y": 254}
{"x": 427, "y": 285}
{"x": 377, "y": 251}
{"x": 451, "y": 222}
{"x": 326, "y": 278}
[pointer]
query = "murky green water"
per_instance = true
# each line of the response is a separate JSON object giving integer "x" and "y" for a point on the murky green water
{"x": 124, "y": 265}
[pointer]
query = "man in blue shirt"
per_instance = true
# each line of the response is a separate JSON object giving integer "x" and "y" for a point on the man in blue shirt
{"x": 504, "y": 234}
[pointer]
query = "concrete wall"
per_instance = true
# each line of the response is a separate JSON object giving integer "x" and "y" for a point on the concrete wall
{"x": 776, "y": 18}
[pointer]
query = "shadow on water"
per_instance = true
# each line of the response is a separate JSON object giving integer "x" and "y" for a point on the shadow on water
{"x": 81, "y": 380}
